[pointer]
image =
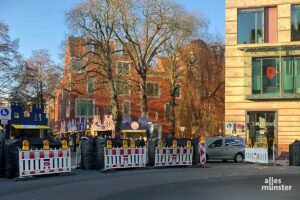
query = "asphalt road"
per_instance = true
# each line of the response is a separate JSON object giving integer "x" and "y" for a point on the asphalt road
{"x": 219, "y": 181}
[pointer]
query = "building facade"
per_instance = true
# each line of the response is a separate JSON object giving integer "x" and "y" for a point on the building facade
{"x": 262, "y": 71}
{"x": 79, "y": 97}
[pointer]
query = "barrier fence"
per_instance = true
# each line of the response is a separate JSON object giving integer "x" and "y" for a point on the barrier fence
{"x": 125, "y": 157}
{"x": 170, "y": 156}
{"x": 41, "y": 162}
{"x": 256, "y": 155}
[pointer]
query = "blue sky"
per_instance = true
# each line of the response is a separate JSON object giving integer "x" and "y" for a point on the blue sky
{"x": 40, "y": 24}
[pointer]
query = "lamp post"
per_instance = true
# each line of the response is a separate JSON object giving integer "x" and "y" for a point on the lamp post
{"x": 182, "y": 128}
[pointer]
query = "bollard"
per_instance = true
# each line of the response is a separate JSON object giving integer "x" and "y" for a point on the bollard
{"x": 202, "y": 150}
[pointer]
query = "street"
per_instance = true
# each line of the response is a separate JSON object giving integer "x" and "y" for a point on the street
{"x": 217, "y": 181}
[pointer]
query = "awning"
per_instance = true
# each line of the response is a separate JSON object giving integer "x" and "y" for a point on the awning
{"x": 18, "y": 126}
{"x": 133, "y": 131}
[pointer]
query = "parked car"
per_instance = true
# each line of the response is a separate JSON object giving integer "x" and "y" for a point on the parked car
{"x": 225, "y": 148}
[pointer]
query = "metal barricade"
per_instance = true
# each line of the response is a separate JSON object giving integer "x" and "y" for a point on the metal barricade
{"x": 118, "y": 158}
{"x": 256, "y": 155}
{"x": 170, "y": 156}
{"x": 41, "y": 162}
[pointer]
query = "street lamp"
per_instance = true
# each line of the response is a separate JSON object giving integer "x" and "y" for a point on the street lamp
{"x": 182, "y": 128}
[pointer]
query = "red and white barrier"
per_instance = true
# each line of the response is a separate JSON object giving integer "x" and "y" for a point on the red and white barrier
{"x": 202, "y": 153}
{"x": 256, "y": 155}
{"x": 168, "y": 156}
{"x": 115, "y": 158}
{"x": 40, "y": 162}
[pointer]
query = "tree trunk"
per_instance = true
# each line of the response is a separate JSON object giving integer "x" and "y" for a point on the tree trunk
{"x": 115, "y": 111}
{"x": 172, "y": 117}
{"x": 144, "y": 107}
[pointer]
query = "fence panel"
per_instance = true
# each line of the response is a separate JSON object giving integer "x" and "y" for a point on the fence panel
{"x": 40, "y": 162}
{"x": 173, "y": 156}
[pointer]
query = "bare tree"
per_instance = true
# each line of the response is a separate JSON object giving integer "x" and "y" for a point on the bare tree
{"x": 37, "y": 79}
{"x": 174, "y": 68}
{"x": 145, "y": 26}
{"x": 10, "y": 61}
{"x": 94, "y": 21}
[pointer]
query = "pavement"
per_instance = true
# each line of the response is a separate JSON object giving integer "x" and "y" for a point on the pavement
{"x": 216, "y": 181}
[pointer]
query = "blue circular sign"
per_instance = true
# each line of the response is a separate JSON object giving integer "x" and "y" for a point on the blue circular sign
{"x": 4, "y": 112}
{"x": 229, "y": 125}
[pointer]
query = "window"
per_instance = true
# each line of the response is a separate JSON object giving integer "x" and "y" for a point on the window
{"x": 124, "y": 88}
{"x": 78, "y": 64}
{"x": 126, "y": 108}
{"x": 59, "y": 112}
{"x": 153, "y": 89}
{"x": 178, "y": 91}
{"x": 119, "y": 48}
{"x": 250, "y": 25}
{"x": 16, "y": 115}
{"x": 217, "y": 143}
{"x": 89, "y": 47}
{"x": 274, "y": 76}
{"x": 62, "y": 95}
{"x": 68, "y": 107}
{"x": 167, "y": 111}
{"x": 90, "y": 86}
{"x": 257, "y": 25}
{"x": 295, "y": 26}
{"x": 233, "y": 142}
{"x": 123, "y": 68}
{"x": 84, "y": 107}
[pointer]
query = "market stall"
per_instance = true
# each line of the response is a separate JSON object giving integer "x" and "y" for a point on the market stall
{"x": 134, "y": 129}
{"x": 103, "y": 128}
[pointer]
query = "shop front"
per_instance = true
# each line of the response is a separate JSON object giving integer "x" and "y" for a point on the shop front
{"x": 262, "y": 125}
{"x": 29, "y": 131}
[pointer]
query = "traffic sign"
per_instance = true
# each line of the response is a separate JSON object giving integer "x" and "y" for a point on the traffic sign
{"x": 229, "y": 126}
{"x": 5, "y": 113}
{"x": 4, "y": 121}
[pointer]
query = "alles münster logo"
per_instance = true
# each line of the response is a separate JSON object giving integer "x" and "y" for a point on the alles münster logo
{"x": 273, "y": 184}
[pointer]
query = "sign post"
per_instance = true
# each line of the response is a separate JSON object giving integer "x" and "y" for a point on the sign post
{"x": 5, "y": 115}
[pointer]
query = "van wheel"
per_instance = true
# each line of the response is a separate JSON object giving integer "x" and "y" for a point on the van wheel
{"x": 238, "y": 158}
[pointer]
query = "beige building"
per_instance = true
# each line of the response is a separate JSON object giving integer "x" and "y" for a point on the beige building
{"x": 262, "y": 74}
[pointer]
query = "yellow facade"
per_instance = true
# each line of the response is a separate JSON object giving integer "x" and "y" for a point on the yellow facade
{"x": 238, "y": 73}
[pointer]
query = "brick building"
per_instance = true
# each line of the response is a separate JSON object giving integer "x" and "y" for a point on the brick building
{"x": 262, "y": 73}
{"x": 78, "y": 97}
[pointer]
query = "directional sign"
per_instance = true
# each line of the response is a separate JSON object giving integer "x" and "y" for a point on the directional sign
{"x": 5, "y": 113}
